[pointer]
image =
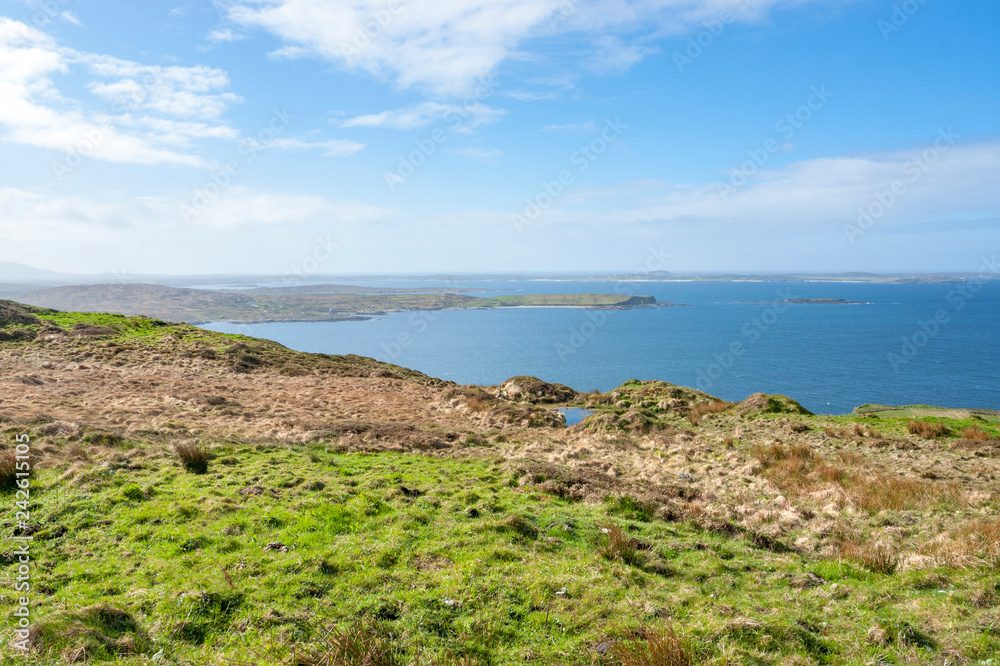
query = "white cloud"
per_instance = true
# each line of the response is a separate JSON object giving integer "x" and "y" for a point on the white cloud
{"x": 131, "y": 128}
{"x": 444, "y": 47}
{"x": 588, "y": 126}
{"x": 224, "y": 35}
{"x": 470, "y": 115}
{"x": 68, "y": 16}
{"x": 31, "y": 216}
{"x": 964, "y": 179}
{"x": 478, "y": 153}
{"x": 331, "y": 148}
{"x": 188, "y": 92}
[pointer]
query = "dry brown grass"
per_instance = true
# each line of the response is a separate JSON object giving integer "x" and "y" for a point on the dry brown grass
{"x": 704, "y": 409}
{"x": 361, "y": 644}
{"x": 877, "y": 558}
{"x": 193, "y": 457}
{"x": 882, "y": 492}
{"x": 927, "y": 429}
{"x": 976, "y": 543}
{"x": 976, "y": 434}
{"x": 8, "y": 469}
{"x": 652, "y": 648}
{"x": 477, "y": 404}
{"x": 796, "y": 469}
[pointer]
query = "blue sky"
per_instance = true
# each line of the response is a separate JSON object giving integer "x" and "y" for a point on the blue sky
{"x": 399, "y": 136}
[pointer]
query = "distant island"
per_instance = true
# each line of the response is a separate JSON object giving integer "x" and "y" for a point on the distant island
{"x": 306, "y": 303}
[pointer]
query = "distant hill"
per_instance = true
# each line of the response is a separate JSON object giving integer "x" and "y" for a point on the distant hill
{"x": 11, "y": 271}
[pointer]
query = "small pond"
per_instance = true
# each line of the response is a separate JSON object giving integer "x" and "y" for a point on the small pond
{"x": 574, "y": 414}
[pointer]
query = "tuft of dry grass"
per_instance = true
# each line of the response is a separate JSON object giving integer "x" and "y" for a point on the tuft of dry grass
{"x": 193, "y": 457}
{"x": 976, "y": 434}
{"x": 652, "y": 648}
{"x": 927, "y": 429}
{"x": 8, "y": 469}
{"x": 876, "y": 558}
{"x": 704, "y": 409}
{"x": 477, "y": 404}
{"x": 976, "y": 543}
{"x": 617, "y": 546}
{"x": 892, "y": 493}
{"x": 797, "y": 469}
{"x": 361, "y": 644}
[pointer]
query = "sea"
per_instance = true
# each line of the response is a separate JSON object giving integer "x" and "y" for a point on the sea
{"x": 892, "y": 344}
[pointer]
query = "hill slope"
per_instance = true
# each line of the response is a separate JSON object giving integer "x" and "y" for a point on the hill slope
{"x": 211, "y": 498}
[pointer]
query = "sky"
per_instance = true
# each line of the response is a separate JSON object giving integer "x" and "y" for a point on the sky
{"x": 433, "y": 136}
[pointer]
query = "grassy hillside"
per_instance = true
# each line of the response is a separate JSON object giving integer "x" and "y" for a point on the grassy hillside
{"x": 200, "y": 498}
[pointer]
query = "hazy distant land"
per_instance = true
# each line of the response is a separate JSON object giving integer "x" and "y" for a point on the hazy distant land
{"x": 308, "y": 303}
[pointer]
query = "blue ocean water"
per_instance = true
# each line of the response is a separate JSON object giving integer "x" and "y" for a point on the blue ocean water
{"x": 923, "y": 343}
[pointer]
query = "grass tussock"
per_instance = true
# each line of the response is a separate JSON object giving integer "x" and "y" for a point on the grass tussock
{"x": 361, "y": 644}
{"x": 194, "y": 457}
{"x": 652, "y": 648}
{"x": 616, "y": 546}
{"x": 927, "y": 429}
{"x": 8, "y": 469}
{"x": 706, "y": 408}
{"x": 877, "y": 558}
{"x": 976, "y": 434}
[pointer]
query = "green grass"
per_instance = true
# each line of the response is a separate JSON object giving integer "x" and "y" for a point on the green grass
{"x": 461, "y": 562}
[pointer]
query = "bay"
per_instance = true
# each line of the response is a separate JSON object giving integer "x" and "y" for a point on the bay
{"x": 903, "y": 344}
